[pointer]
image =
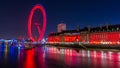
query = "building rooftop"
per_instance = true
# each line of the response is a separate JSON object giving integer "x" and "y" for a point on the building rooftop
{"x": 108, "y": 28}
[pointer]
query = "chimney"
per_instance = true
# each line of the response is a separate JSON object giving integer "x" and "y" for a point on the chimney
{"x": 107, "y": 26}
{"x": 89, "y": 28}
{"x": 100, "y": 26}
{"x": 78, "y": 27}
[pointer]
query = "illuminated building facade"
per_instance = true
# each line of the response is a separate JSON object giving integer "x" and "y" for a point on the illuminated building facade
{"x": 61, "y": 27}
{"x": 98, "y": 35}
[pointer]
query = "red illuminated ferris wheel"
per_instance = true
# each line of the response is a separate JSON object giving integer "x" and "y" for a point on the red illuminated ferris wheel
{"x": 40, "y": 30}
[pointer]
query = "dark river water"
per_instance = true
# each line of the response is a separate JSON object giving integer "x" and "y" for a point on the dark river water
{"x": 52, "y": 57}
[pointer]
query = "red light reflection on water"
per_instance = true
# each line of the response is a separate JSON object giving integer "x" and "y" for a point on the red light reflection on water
{"x": 86, "y": 57}
{"x": 29, "y": 61}
{"x": 33, "y": 58}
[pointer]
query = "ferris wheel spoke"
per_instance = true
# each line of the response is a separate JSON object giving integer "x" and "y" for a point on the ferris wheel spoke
{"x": 39, "y": 30}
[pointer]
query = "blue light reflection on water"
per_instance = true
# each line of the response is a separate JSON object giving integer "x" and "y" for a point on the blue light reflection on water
{"x": 52, "y": 57}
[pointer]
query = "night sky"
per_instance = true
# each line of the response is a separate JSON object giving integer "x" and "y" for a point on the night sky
{"x": 14, "y": 14}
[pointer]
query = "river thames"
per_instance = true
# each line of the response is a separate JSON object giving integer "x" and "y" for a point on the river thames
{"x": 53, "y": 57}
